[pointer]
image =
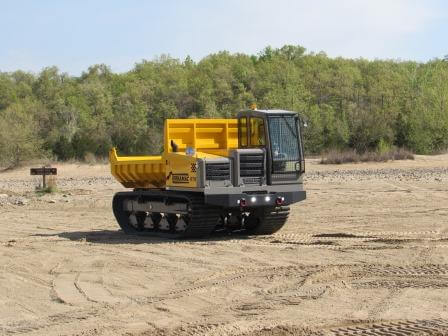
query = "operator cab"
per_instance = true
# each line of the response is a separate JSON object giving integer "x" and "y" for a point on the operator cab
{"x": 278, "y": 133}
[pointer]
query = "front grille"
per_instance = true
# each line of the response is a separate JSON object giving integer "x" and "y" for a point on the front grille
{"x": 285, "y": 177}
{"x": 251, "y": 167}
{"x": 217, "y": 171}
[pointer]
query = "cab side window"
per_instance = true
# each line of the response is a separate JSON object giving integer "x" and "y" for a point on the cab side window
{"x": 243, "y": 131}
{"x": 257, "y": 132}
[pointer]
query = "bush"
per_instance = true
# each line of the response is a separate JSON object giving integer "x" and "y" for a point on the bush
{"x": 402, "y": 154}
{"x": 339, "y": 157}
{"x": 351, "y": 156}
{"x": 63, "y": 149}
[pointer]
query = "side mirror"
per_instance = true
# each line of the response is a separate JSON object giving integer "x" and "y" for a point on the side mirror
{"x": 303, "y": 120}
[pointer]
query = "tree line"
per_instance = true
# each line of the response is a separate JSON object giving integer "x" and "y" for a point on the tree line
{"x": 350, "y": 103}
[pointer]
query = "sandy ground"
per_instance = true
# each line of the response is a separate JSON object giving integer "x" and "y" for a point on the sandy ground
{"x": 366, "y": 253}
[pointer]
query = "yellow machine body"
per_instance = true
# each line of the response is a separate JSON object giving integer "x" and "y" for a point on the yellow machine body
{"x": 209, "y": 138}
{"x": 214, "y": 175}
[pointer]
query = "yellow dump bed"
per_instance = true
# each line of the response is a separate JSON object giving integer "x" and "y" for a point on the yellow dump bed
{"x": 137, "y": 171}
{"x": 210, "y": 136}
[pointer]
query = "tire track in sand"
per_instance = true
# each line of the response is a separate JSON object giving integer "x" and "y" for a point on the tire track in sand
{"x": 420, "y": 269}
{"x": 81, "y": 288}
{"x": 399, "y": 328}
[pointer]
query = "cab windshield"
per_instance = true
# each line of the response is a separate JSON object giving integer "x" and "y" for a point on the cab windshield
{"x": 284, "y": 136}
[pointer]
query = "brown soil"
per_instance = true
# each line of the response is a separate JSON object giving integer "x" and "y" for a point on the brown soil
{"x": 366, "y": 253}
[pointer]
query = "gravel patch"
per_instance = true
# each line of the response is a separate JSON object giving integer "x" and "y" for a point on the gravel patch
{"x": 438, "y": 174}
{"x": 434, "y": 174}
{"x": 62, "y": 183}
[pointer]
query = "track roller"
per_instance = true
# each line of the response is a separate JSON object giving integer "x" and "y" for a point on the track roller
{"x": 199, "y": 221}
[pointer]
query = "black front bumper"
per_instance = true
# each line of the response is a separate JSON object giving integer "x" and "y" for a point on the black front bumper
{"x": 255, "y": 199}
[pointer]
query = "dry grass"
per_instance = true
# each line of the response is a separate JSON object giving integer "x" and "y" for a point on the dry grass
{"x": 50, "y": 188}
{"x": 351, "y": 156}
{"x": 37, "y": 162}
{"x": 91, "y": 159}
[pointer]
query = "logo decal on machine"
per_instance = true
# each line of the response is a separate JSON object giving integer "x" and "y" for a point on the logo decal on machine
{"x": 180, "y": 178}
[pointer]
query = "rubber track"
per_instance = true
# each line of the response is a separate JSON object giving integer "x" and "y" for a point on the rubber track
{"x": 203, "y": 220}
{"x": 120, "y": 215}
{"x": 271, "y": 221}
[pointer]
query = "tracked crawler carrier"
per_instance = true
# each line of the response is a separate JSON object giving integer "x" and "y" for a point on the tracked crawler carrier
{"x": 214, "y": 174}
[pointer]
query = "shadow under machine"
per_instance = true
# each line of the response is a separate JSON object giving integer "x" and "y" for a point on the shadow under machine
{"x": 214, "y": 175}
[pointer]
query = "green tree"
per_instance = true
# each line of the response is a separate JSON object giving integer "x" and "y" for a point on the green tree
{"x": 19, "y": 139}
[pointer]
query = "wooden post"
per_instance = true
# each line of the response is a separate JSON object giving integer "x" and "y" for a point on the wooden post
{"x": 44, "y": 171}
{"x": 44, "y": 182}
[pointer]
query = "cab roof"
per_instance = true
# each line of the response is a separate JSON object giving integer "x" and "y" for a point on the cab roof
{"x": 276, "y": 111}
{"x": 269, "y": 112}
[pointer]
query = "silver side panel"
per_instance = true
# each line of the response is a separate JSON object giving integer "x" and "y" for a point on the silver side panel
{"x": 244, "y": 189}
{"x": 155, "y": 206}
